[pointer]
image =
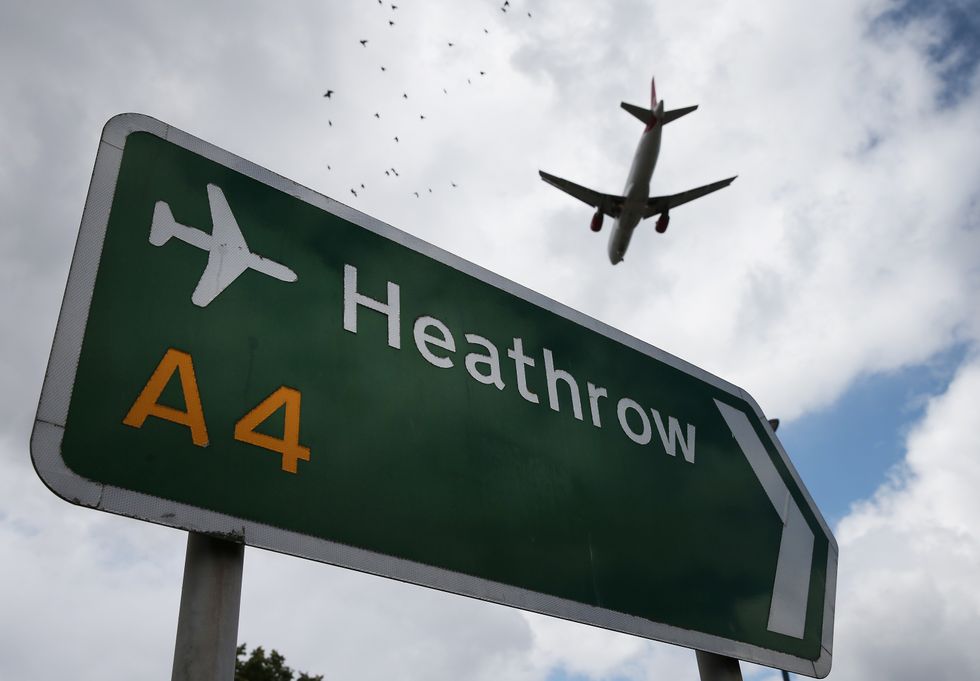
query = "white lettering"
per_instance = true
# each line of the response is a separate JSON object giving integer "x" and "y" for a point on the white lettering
{"x": 436, "y": 344}
{"x": 671, "y": 439}
{"x": 492, "y": 360}
{"x": 521, "y": 360}
{"x": 553, "y": 375}
{"x": 595, "y": 392}
{"x": 642, "y": 437}
{"x": 352, "y": 299}
{"x": 423, "y": 340}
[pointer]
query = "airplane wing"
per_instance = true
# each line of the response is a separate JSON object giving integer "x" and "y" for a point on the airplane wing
{"x": 610, "y": 204}
{"x": 662, "y": 204}
{"x": 224, "y": 267}
{"x": 229, "y": 255}
{"x": 225, "y": 229}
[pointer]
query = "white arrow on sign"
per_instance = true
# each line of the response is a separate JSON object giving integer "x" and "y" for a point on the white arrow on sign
{"x": 787, "y": 611}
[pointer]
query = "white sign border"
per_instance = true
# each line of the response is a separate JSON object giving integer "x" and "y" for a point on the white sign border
{"x": 59, "y": 380}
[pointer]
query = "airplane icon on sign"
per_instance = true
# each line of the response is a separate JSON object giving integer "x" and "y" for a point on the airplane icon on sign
{"x": 228, "y": 254}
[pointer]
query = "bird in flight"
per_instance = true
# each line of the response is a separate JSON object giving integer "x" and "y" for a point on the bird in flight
{"x": 353, "y": 192}
{"x": 328, "y": 94}
{"x": 404, "y": 95}
{"x": 377, "y": 115}
{"x": 421, "y": 117}
{"x": 416, "y": 194}
{"x": 450, "y": 44}
{"x": 391, "y": 23}
{"x": 364, "y": 43}
{"x": 396, "y": 138}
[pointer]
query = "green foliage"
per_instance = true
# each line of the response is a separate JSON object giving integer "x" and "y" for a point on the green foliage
{"x": 258, "y": 667}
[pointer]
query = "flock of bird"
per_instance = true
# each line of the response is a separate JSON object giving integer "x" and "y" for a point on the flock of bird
{"x": 365, "y": 43}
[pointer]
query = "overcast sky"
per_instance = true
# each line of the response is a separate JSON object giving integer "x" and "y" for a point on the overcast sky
{"x": 836, "y": 280}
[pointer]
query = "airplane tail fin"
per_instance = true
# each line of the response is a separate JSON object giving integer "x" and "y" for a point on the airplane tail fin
{"x": 163, "y": 226}
{"x": 656, "y": 114}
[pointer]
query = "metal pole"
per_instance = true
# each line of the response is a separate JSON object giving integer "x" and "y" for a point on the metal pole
{"x": 207, "y": 626}
{"x": 714, "y": 667}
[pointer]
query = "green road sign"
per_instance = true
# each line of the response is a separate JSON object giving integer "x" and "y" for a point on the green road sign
{"x": 241, "y": 356}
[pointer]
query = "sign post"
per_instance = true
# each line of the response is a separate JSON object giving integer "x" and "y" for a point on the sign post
{"x": 242, "y": 357}
{"x": 712, "y": 667}
{"x": 207, "y": 626}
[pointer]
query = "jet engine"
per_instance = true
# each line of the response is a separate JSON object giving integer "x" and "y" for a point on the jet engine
{"x": 596, "y": 221}
{"x": 662, "y": 222}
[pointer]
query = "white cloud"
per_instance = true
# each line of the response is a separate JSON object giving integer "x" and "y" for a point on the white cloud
{"x": 908, "y": 606}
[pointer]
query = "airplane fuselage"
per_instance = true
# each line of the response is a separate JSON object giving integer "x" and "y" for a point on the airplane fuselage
{"x": 637, "y": 189}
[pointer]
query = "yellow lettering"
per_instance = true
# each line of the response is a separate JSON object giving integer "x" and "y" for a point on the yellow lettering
{"x": 146, "y": 404}
{"x": 289, "y": 445}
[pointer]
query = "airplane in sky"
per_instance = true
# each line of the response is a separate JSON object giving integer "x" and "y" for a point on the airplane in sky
{"x": 636, "y": 203}
{"x": 228, "y": 254}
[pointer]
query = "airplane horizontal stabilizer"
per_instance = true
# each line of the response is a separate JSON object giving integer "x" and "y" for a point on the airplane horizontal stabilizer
{"x": 645, "y": 115}
{"x": 610, "y": 204}
{"x": 661, "y": 204}
{"x": 669, "y": 116}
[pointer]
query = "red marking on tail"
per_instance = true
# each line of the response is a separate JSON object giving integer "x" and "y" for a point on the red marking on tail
{"x": 653, "y": 106}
